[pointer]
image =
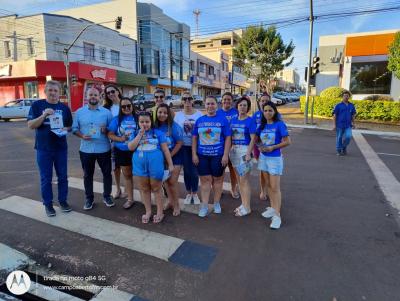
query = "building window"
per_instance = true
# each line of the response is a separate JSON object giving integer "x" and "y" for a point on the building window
{"x": 29, "y": 45}
{"x": 211, "y": 70}
{"x": 114, "y": 58}
{"x": 88, "y": 51}
{"x": 370, "y": 78}
{"x": 144, "y": 31}
{"x": 102, "y": 51}
{"x": 145, "y": 58}
{"x": 226, "y": 42}
{"x": 191, "y": 65}
{"x": 201, "y": 46}
{"x": 7, "y": 49}
{"x": 156, "y": 62}
{"x": 202, "y": 68}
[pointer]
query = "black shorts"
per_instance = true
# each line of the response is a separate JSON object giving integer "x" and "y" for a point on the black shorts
{"x": 210, "y": 166}
{"x": 122, "y": 158}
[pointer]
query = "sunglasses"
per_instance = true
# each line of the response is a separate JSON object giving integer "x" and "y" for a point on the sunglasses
{"x": 125, "y": 107}
{"x": 159, "y": 96}
{"x": 110, "y": 92}
{"x": 187, "y": 98}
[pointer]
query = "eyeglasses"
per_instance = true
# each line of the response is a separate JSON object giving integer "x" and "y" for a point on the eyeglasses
{"x": 187, "y": 98}
{"x": 126, "y": 107}
{"x": 110, "y": 92}
{"x": 158, "y": 96}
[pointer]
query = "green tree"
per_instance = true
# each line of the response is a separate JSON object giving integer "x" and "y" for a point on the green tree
{"x": 394, "y": 56}
{"x": 263, "y": 48}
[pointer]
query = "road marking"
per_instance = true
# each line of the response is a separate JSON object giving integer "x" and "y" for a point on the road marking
{"x": 23, "y": 171}
{"x": 185, "y": 253}
{"x": 11, "y": 259}
{"x": 385, "y": 178}
{"x": 386, "y": 154}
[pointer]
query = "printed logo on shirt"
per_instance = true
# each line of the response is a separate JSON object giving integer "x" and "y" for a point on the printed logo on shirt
{"x": 268, "y": 137}
{"x": 238, "y": 133}
{"x": 148, "y": 143}
{"x": 210, "y": 135}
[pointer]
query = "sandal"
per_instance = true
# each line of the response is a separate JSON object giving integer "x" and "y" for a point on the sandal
{"x": 235, "y": 194}
{"x": 128, "y": 204}
{"x": 158, "y": 218}
{"x": 241, "y": 211}
{"x": 146, "y": 218}
{"x": 176, "y": 212}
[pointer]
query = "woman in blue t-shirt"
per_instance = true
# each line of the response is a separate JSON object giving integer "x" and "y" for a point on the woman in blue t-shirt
{"x": 120, "y": 131}
{"x": 211, "y": 143}
{"x": 272, "y": 135}
{"x": 243, "y": 130}
{"x": 150, "y": 147}
{"x": 174, "y": 134}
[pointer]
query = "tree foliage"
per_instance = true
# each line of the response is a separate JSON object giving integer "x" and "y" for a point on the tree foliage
{"x": 265, "y": 49}
{"x": 394, "y": 56}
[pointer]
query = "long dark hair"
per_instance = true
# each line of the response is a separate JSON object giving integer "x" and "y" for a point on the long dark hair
{"x": 121, "y": 115}
{"x": 107, "y": 101}
{"x": 275, "y": 118}
{"x": 170, "y": 119}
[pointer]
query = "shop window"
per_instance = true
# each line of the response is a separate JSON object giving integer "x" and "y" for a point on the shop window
{"x": 88, "y": 51}
{"x": 115, "y": 58}
{"x": 31, "y": 89}
{"x": 370, "y": 78}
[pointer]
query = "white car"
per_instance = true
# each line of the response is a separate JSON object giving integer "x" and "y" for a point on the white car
{"x": 276, "y": 101}
{"x": 18, "y": 108}
{"x": 173, "y": 101}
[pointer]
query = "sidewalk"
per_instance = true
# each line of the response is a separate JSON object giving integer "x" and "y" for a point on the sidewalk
{"x": 292, "y": 115}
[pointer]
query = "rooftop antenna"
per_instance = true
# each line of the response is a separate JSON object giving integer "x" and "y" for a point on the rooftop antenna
{"x": 197, "y": 13}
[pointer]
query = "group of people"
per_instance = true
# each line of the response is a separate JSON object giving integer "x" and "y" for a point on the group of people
{"x": 151, "y": 147}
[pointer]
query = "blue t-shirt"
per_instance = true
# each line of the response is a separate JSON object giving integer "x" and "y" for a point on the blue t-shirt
{"x": 173, "y": 135}
{"x": 241, "y": 130}
{"x": 272, "y": 134}
{"x": 257, "y": 116}
{"x": 45, "y": 139}
{"x": 127, "y": 127}
{"x": 231, "y": 113}
{"x": 151, "y": 140}
{"x": 211, "y": 133}
{"x": 344, "y": 114}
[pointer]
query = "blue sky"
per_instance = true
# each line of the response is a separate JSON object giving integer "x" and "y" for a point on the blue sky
{"x": 224, "y": 15}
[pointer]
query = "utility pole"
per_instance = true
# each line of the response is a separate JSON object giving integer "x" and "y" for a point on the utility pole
{"x": 309, "y": 62}
{"x": 171, "y": 61}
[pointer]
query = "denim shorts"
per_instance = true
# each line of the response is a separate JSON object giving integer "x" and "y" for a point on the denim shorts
{"x": 236, "y": 153}
{"x": 148, "y": 164}
{"x": 271, "y": 165}
{"x": 210, "y": 166}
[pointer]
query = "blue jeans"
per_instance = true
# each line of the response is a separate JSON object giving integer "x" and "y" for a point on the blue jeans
{"x": 46, "y": 160}
{"x": 190, "y": 175}
{"x": 343, "y": 137}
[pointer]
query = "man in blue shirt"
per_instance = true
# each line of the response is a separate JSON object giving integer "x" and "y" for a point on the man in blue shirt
{"x": 343, "y": 117}
{"x": 90, "y": 124}
{"x": 51, "y": 120}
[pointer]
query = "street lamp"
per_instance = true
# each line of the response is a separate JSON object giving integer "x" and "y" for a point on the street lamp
{"x": 117, "y": 21}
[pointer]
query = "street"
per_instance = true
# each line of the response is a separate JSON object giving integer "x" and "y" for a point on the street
{"x": 340, "y": 239}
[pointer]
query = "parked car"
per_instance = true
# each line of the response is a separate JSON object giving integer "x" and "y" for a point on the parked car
{"x": 18, "y": 108}
{"x": 143, "y": 101}
{"x": 173, "y": 101}
{"x": 198, "y": 100}
{"x": 277, "y": 101}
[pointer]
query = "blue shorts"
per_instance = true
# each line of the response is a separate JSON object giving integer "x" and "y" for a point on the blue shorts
{"x": 148, "y": 164}
{"x": 271, "y": 165}
{"x": 178, "y": 158}
{"x": 210, "y": 166}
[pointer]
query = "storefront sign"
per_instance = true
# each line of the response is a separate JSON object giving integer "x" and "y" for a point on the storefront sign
{"x": 101, "y": 73}
{"x": 5, "y": 70}
{"x": 238, "y": 79}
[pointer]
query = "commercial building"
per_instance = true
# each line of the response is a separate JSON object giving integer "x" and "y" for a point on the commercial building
{"x": 358, "y": 63}
{"x": 205, "y": 75}
{"x": 288, "y": 80}
{"x": 219, "y": 47}
{"x": 32, "y": 51}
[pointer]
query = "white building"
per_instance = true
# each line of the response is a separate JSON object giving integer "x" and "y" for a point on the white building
{"x": 205, "y": 75}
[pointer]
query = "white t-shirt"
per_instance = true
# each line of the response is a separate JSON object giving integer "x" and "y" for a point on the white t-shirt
{"x": 114, "y": 110}
{"x": 186, "y": 122}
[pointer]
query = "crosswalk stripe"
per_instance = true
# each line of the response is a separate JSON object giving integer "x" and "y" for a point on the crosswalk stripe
{"x": 186, "y": 253}
{"x": 107, "y": 294}
{"x": 49, "y": 293}
{"x": 98, "y": 188}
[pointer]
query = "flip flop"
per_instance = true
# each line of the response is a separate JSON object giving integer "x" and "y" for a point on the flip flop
{"x": 128, "y": 204}
{"x": 158, "y": 218}
{"x": 235, "y": 194}
{"x": 145, "y": 218}
{"x": 117, "y": 195}
{"x": 241, "y": 211}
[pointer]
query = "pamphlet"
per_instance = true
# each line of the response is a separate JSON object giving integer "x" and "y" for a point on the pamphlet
{"x": 166, "y": 175}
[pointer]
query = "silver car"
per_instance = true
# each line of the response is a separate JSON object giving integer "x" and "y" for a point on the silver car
{"x": 18, "y": 108}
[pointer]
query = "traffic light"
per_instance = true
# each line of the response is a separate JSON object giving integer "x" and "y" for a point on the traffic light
{"x": 315, "y": 66}
{"x": 74, "y": 80}
{"x": 118, "y": 22}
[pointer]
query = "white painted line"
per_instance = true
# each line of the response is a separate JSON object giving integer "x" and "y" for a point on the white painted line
{"x": 98, "y": 188}
{"x": 112, "y": 294}
{"x": 11, "y": 259}
{"x": 386, "y": 154}
{"x": 386, "y": 180}
{"x": 139, "y": 240}
{"x": 49, "y": 293}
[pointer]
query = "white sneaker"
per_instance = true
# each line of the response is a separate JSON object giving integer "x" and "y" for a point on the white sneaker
{"x": 196, "y": 199}
{"x": 276, "y": 222}
{"x": 188, "y": 199}
{"x": 270, "y": 212}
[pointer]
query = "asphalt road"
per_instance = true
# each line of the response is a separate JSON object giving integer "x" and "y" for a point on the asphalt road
{"x": 336, "y": 240}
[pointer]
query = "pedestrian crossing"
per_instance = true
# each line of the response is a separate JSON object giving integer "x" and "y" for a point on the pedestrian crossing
{"x": 167, "y": 248}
